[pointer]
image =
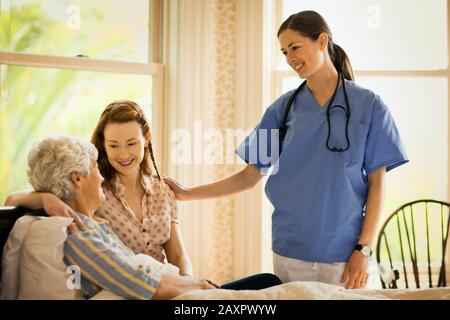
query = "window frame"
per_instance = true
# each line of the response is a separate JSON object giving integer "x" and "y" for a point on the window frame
{"x": 153, "y": 68}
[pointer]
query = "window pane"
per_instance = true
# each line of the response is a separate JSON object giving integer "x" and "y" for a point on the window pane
{"x": 290, "y": 83}
{"x": 419, "y": 108}
{"x": 106, "y": 29}
{"x": 384, "y": 34}
{"x": 40, "y": 102}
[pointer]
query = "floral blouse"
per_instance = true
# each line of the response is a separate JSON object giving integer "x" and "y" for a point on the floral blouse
{"x": 159, "y": 211}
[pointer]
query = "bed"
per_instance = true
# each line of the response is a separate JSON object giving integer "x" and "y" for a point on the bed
{"x": 317, "y": 291}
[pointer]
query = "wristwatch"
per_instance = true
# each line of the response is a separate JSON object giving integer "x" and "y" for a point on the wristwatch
{"x": 365, "y": 250}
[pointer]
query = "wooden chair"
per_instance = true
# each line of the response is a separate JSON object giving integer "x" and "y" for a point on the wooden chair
{"x": 412, "y": 245}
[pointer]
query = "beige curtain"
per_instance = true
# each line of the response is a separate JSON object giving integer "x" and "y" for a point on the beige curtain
{"x": 221, "y": 115}
{"x": 213, "y": 75}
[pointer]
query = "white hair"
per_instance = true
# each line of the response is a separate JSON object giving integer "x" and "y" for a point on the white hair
{"x": 52, "y": 160}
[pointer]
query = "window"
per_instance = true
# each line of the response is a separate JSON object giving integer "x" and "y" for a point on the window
{"x": 106, "y": 29}
{"x": 406, "y": 64}
{"x": 62, "y": 62}
{"x": 381, "y": 34}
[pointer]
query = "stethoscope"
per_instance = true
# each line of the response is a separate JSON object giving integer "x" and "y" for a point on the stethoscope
{"x": 283, "y": 129}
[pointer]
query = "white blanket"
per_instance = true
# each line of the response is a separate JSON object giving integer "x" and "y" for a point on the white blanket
{"x": 316, "y": 291}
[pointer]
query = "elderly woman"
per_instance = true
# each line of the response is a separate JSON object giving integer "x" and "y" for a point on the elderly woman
{"x": 67, "y": 167}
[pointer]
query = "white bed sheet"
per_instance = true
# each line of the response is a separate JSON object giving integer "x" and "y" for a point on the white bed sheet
{"x": 317, "y": 291}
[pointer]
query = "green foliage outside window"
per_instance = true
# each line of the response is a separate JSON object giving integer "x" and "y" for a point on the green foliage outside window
{"x": 37, "y": 102}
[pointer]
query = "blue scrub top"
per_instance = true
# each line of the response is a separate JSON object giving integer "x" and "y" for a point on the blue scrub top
{"x": 319, "y": 196}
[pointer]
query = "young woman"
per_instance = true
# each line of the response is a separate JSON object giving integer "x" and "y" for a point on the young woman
{"x": 140, "y": 208}
{"x": 337, "y": 141}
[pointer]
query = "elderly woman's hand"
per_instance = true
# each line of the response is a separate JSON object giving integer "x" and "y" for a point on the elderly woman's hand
{"x": 212, "y": 283}
{"x": 54, "y": 206}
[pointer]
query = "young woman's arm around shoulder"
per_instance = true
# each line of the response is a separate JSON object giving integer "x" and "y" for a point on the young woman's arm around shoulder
{"x": 355, "y": 272}
{"x": 51, "y": 204}
{"x": 34, "y": 200}
{"x": 240, "y": 181}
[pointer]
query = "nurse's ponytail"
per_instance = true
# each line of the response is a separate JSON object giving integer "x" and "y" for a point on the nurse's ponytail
{"x": 340, "y": 60}
{"x": 311, "y": 24}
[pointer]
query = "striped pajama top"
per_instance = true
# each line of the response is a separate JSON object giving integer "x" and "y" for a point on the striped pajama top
{"x": 104, "y": 262}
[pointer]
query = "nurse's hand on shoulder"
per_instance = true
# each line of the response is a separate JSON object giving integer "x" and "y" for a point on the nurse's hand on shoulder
{"x": 181, "y": 193}
{"x": 355, "y": 273}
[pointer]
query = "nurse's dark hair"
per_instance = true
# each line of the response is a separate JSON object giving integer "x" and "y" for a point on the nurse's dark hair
{"x": 122, "y": 111}
{"x": 311, "y": 24}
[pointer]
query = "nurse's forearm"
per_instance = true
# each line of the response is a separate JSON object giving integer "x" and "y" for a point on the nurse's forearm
{"x": 243, "y": 180}
{"x": 374, "y": 206}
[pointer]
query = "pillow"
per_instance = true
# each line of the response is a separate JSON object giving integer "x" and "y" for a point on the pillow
{"x": 10, "y": 259}
{"x": 42, "y": 271}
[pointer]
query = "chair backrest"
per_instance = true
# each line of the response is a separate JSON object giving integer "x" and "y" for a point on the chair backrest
{"x": 8, "y": 216}
{"x": 412, "y": 245}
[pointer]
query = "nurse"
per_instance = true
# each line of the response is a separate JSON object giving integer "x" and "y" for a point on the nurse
{"x": 328, "y": 175}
